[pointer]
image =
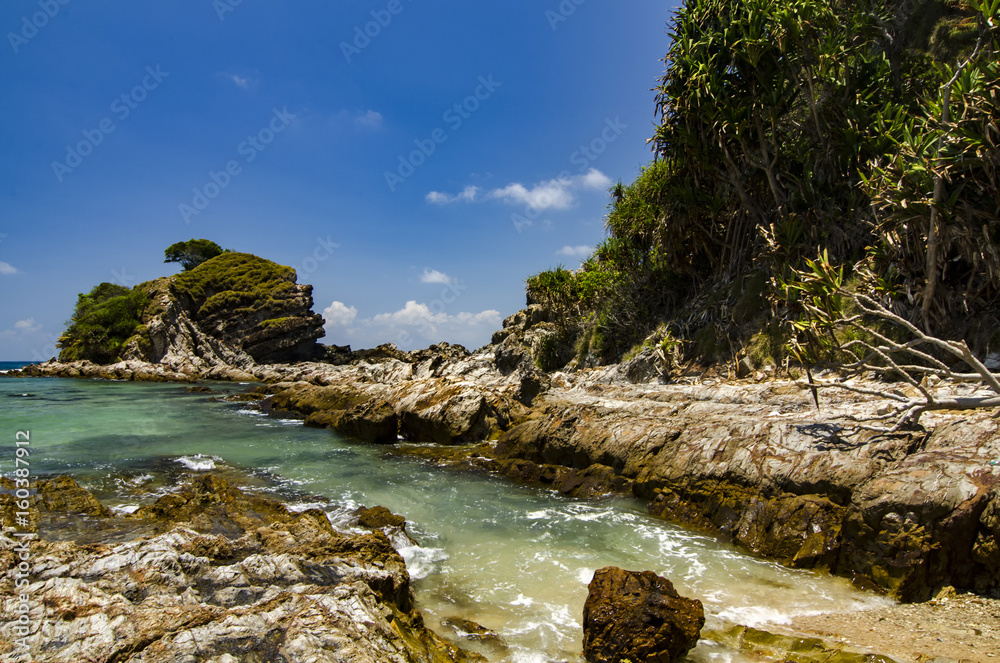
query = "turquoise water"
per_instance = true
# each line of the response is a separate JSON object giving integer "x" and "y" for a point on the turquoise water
{"x": 12, "y": 365}
{"x": 515, "y": 559}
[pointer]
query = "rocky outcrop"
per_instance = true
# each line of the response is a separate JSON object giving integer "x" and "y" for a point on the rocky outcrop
{"x": 233, "y": 310}
{"x": 906, "y": 513}
{"x": 638, "y": 616}
{"x": 210, "y": 573}
{"x": 422, "y": 396}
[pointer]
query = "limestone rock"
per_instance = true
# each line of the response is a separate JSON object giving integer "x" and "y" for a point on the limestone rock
{"x": 224, "y": 576}
{"x": 638, "y": 616}
{"x": 375, "y": 421}
{"x": 65, "y": 495}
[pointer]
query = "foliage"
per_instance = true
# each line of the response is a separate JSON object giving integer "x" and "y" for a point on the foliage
{"x": 233, "y": 280}
{"x": 937, "y": 195}
{"x": 831, "y": 127}
{"x": 104, "y": 320}
{"x": 192, "y": 253}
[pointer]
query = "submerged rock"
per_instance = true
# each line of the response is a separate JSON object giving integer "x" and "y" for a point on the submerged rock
{"x": 638, "y": 616}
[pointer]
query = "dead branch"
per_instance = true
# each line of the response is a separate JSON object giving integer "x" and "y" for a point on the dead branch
{"x": 912, "y": 364}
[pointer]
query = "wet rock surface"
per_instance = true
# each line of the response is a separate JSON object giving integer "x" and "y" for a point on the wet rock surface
{"x": 638, "y": 616}
{"x": 218, "y": 575}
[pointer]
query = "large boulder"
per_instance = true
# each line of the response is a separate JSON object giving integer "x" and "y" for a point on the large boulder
{"x": 638, "y": 616}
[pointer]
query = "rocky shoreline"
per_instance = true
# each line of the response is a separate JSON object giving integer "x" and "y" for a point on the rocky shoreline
{"x": 211, "y": 573}
{"x": 751, "y": 460}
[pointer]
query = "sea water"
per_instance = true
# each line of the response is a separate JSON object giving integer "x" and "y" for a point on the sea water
{"x": 514, "y": 559}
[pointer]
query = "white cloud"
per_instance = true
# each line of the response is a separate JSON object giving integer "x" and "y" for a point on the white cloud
{"x": 553, "y": 194}
{"x": 411, "y": 314}
{"x": 245, "y": 82}
{"x": 549, "y": 194}
{"x": 22, "y": 327}
{"x": 369, "y": 119}
{"x": 468, "y": 195}
{"x": 27, "y": 326}
{"x": 575, "y": 251}
{"x": 339, "y": 313}
{"x": 434, "y": 276}
{"x": 416, "y": 325}
{"x": 595, "y": 179}
{"x": 6, "y": 268}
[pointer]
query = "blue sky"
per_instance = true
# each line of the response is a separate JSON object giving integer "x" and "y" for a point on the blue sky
{"x": 415, "y": 161}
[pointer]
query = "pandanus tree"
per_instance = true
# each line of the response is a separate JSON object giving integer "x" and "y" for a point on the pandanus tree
{"x": 767, "y": 113}
{"x": 937, "y": 193}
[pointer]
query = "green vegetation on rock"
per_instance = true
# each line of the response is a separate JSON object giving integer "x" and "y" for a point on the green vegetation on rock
{"x": 247, "y": 303}
{"x": 239, "y": 281}
{"x": 104, "y": 320}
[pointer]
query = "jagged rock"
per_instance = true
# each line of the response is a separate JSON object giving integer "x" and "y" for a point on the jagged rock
{"x": 593, "y": 481}
{"x": 64, "y": 495}
{"x": 378, "y": 517}
{"x": 757, "y": 463}
{"x": 643, "y": 367}
{"x": 638, "y": 616}
{"x": 215, "y": 316}
{"x": 375, "y": 421}
{"x": 225, "y": 576}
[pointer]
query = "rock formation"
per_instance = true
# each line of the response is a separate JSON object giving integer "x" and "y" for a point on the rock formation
{"x": 638, "y": 616}
{"x": 752, "y": 460}
{"x": 228, "y": 312}
{"x": 210, "y": 573}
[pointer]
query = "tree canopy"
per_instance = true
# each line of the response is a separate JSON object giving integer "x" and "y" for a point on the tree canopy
{"x": 192, "y": 253}
{"x": 104, "y": 320}
{"x": 863, "y": 131}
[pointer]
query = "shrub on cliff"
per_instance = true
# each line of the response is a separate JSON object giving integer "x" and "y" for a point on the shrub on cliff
{"x": 192, "y": 253}
{"x": 104, "y": 319}
{"x": 233, "y": 281}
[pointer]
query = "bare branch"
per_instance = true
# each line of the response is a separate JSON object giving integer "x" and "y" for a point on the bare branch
{"x": 907, "y": 360}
